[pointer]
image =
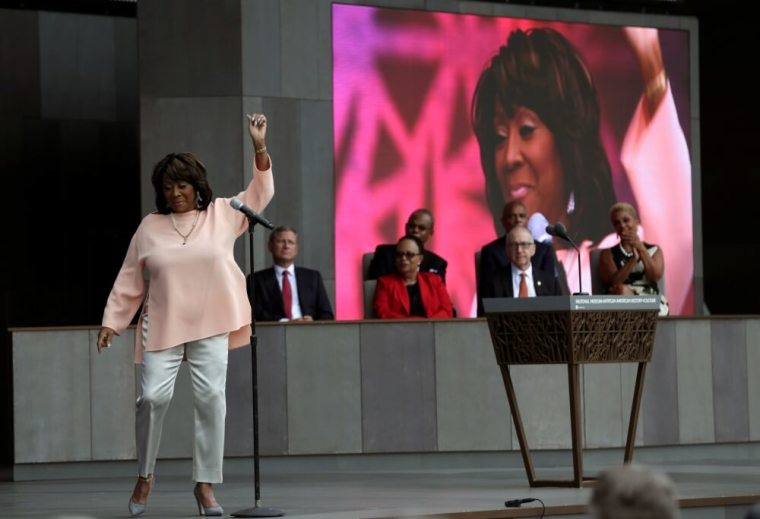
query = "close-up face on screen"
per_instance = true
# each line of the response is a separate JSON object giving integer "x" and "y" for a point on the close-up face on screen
{"x": 461, "y": 114}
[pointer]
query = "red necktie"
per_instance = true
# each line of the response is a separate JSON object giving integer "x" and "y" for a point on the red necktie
{"x": 523, "y": 286}
{"x": 287, "y": 295}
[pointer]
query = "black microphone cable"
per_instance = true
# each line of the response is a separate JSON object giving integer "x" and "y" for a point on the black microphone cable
{"x": 517, "y": 503}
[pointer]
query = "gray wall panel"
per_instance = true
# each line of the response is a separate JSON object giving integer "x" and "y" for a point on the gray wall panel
{"x": 729, "y": 361}
{"x": 451, "y": 6}
{"x": 408, "y": 4}
{"x": 472, "y": 411}
{"x": 261, "y": 47}
{"x": 486, "y": 8}
{"x": 398, "y": 387}
{"x": 190, "y": 48}
{"x": 324, "y": 389}
{"x": 272, "y": 400}
{"x": 695, "y": 396}
{"x": 273, "y": 390}
{"x": 736, "y": 512}
{"x": 306, "y": 58}
{"x": 544, "y": 401}
{"x": 318, "y": 183}
{"x": 660, "y": 400}
{"x": 51, "y": 397}
{"x": 112, "y": 376}
{"x": 602, "y": 396}
{"x": 753, "y": 381}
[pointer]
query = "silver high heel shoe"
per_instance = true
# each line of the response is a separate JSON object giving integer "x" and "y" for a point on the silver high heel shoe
{"x": 138, "y": 509}
{"x": 210, "y": 511}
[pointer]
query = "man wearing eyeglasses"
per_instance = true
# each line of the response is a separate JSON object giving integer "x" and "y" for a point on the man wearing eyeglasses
{"x": 494, "y": 256}
{"x": 494, "y": 253}
{"x": 520, "y": 278}
{"x": 420, "y": 225}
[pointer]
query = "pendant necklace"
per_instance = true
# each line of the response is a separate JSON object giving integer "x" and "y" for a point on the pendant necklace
{"x": 192, "y": 228}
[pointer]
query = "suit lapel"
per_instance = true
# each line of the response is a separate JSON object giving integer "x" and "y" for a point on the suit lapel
{"x": 506, "y": 282}
{"x": 304, "y": 295}
{"x": 273, "y": 290}
{"x": 538, "y": 284}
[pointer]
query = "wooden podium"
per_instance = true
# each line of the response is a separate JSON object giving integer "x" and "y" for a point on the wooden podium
{"x": 572, "y": 330}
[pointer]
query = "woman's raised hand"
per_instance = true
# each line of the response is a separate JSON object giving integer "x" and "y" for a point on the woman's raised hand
{"x": 257, "y": 129}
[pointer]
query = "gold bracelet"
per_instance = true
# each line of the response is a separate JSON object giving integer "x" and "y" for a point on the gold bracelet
{"x": 261, "y": 150}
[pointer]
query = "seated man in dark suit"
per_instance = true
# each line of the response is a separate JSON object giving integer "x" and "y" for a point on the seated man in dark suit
{"x": 494, "y": 257}
{"x": 495, "y": 252}
{"x": 419, "y": 225}
{"x": 285, "y": 292}
{"x": 520, "y": 278}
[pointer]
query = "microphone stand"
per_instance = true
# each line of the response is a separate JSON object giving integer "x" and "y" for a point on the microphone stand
{"x": 580, "y": 291}
{"x": 257, "y": 510}
{"x": 560, "y": 231}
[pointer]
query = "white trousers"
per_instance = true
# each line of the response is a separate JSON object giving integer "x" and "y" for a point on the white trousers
{"x": 207, "y": 359}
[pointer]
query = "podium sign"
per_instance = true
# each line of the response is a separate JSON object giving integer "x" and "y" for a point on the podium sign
{"x": 572, "y": 330}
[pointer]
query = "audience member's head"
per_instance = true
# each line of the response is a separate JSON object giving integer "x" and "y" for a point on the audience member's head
{"x": 283, "y": 245}
{"x": 753, "y": 512}
{"x": 633, "y": 492}
{"x": 409, "y": 250}
{"x": 520, "y": 247}
{"x": 513, "y": 214}
{"x": 420, "y": 225}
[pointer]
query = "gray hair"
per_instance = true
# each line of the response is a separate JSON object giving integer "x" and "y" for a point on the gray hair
{"x": 634, "y": 492}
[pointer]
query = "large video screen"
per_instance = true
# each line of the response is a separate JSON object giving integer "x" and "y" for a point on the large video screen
{"x": 410, "y": 132}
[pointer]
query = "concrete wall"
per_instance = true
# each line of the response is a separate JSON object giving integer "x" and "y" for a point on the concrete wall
{"x": 385, "y": 387}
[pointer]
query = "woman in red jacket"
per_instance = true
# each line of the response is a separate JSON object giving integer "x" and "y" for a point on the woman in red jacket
{"x": 410, "y": 293}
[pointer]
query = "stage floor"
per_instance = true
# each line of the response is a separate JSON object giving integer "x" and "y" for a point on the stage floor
{"x": 708, "y": 489}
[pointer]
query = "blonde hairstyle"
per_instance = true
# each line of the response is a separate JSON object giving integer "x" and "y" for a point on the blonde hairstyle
{"x": 621, "y": 207}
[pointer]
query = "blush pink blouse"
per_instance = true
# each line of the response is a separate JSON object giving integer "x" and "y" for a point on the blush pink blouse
{"x": 195, "y": 290}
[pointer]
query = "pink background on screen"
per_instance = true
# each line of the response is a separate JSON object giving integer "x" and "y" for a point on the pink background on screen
{"x": 402, "y": 87}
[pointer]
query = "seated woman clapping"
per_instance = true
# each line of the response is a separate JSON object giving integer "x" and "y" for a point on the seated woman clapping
{"x": 409, "y": 293}
{"x": 631, "y": 266}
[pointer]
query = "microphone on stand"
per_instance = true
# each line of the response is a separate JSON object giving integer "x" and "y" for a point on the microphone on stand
{"x": 560, "y": 231}
{"x": 250, "y": 213}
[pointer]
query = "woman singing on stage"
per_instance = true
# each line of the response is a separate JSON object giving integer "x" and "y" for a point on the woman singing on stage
{"x": 194, "y": 307}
